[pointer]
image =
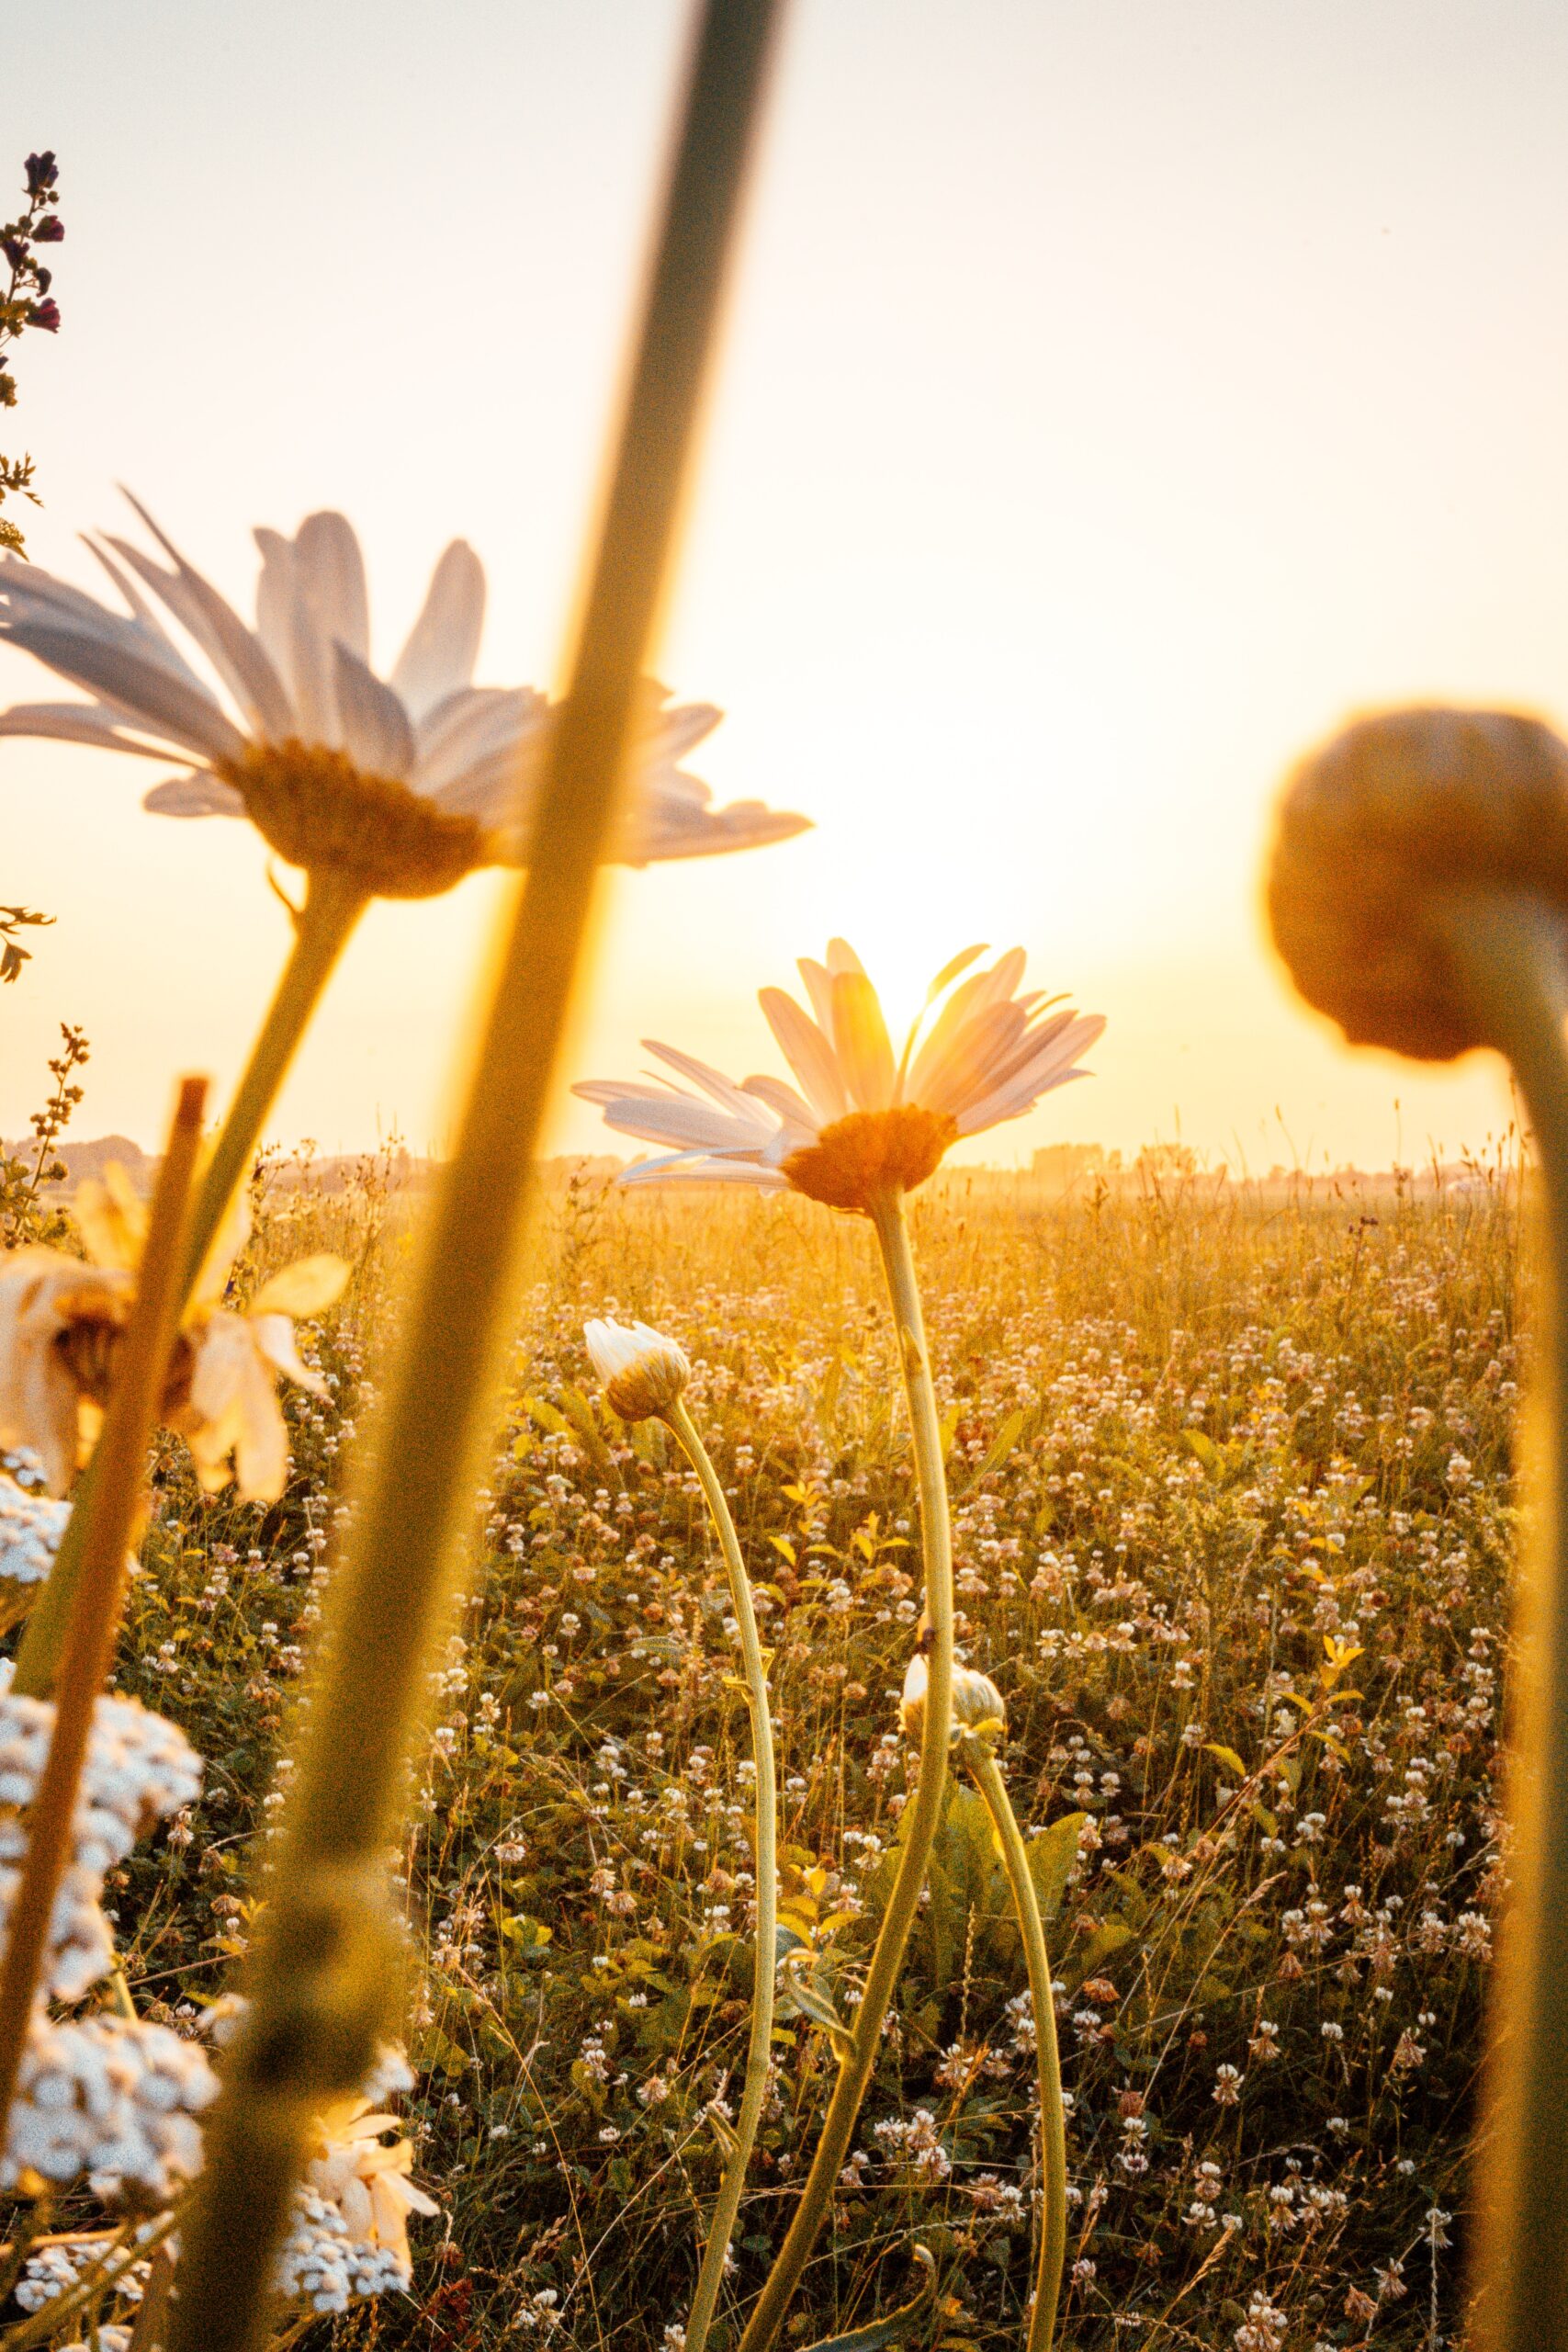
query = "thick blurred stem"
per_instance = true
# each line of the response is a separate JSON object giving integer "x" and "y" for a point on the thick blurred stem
{"x": 320, "y": 1975}
{"x": 989, "y": 1780}
{"x": 322, "y": 929}
{"x": 1513, "y": 956}
{"x": 109, "y": 1521}
{"x": 924, "y": 1813}
{"x": 759, "y": 2054}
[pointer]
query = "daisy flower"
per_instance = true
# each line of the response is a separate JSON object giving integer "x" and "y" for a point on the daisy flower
{"x": 60, "y": 1322}
{"x": 863, "y": 1122}
{"x": 400, "y": 786}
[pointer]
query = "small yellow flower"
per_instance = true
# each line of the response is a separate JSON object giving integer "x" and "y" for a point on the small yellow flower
{"x": 367, "y": 2182}
{"x": 643, "y": 1372}
{"x": 61, "y": 1323}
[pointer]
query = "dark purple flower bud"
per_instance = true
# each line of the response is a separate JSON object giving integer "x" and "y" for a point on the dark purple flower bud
{"x": 43, "y": 278}
{"x": 50, "y": 229}
{"x": 45, "y": 315}
{"x": 15, "y": 252}
{"x": 42, "y": 172}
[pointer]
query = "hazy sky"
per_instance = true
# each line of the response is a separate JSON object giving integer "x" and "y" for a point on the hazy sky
{"x": 1117, "y": 394}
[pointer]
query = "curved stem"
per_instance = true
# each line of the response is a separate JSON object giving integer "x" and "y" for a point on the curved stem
{"x": 983, "y": 1765}
{"x": 759, "y": 2052}
{"x": 322, "y": 929}
{"x": 1511, "y": 955}
{"x": 108, "y": 1525}
{"x": 924, "y": 1813}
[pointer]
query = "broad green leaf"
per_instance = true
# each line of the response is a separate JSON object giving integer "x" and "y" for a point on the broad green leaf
{"x": 898, "y": 2326}
{"x": 1227, "y": 1757}
{"x": 1050, "y": 1856}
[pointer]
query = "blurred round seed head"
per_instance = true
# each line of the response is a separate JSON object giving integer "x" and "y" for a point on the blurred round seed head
{"x": 1380, "y": 832}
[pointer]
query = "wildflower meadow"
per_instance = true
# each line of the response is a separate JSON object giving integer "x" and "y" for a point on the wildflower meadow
{"x": 773, "y": 1737}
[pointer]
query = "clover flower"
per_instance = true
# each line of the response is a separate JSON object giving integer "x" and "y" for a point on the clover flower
{"x": 643, "y": 1372}
{"x": 864, "y": 1121}
{"x": 61, "y": 1323}
{"x": 399, "y": 786}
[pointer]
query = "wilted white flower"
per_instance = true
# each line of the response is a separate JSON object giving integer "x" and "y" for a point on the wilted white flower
{"x": 864, "y": 1123}
{"x": 61, "y": 1323}
{"x": 643, "y": 1372}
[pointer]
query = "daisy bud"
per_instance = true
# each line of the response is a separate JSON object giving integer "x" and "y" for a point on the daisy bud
{"x": 1396, "y": 816}
{"x": 643, "y": 1372}
{"x": 976, "y": 1702}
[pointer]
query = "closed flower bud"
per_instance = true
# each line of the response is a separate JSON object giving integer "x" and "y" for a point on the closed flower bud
{"x": 45, "y": 315}
{"x": 643, "y": 1372}
{"x": 50, "y": 229}
{"x": 976, "y": 1702}
{"x": 1396, "y": 818}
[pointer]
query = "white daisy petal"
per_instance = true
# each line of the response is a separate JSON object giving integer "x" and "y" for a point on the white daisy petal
{"x": 143, "y": 689}
{"x": 78, "y": 723}
{"x": 376, "y": 732}
{"x": 809, "y": 1054}
{"x": 444, "y": 643}
{"x": 198, "y": 795}
{"x": 330, "y": 571}
{"x": 234, "y": 653}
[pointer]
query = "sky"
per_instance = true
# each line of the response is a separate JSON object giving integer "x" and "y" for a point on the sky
{"x": 1113, "y": 398}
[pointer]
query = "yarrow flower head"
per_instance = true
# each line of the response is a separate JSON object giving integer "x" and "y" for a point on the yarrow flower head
{"x": 643, "y": 1372}
{"x": 61, "y": 1324}
{"x": 863, "y": 1122}
{"x": 978, "y": 1705}
{"x": 399, "y": 786}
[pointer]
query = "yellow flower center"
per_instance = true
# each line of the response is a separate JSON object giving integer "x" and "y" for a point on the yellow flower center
{"x": 317, "y": 810}
{"x": 871, "y": 1152}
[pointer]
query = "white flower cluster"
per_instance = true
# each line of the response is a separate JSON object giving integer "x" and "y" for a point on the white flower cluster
{"x": 139, "y": 1768}
{"x": 31, "y": 1528}
{"x": 58, "y": 2269}
{"x": 324, "y": 2264}
{"x": 110, "y": 2097}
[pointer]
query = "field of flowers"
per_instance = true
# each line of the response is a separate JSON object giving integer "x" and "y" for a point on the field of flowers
{"x": 1231, "y": 1482}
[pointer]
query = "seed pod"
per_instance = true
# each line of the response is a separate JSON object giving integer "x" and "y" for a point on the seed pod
{"x": 1385, "y": 829}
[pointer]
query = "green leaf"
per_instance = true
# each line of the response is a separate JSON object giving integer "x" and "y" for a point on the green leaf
{"x": 1227, "y": 1757}
{"x": 1001, "y": 1445}
{"x": 1050, "y": 1856}
{"x": 578, "y": 1411}
{"x": 545, "y": 1417}
{"x": 1203, "y": 1447}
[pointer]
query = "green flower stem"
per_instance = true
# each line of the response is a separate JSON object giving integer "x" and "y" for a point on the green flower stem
{"x": 759, "y": 2052}
{"x": 322, "y": 929}
{"x": 321, "y": 932}
{"x": 924, "y": 1813}
{"x": 108, "y": 1523}
{"x": 982, "y": 1763}
{"x": 322, "y": 1979}
{"x": 1512, "y": 956}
